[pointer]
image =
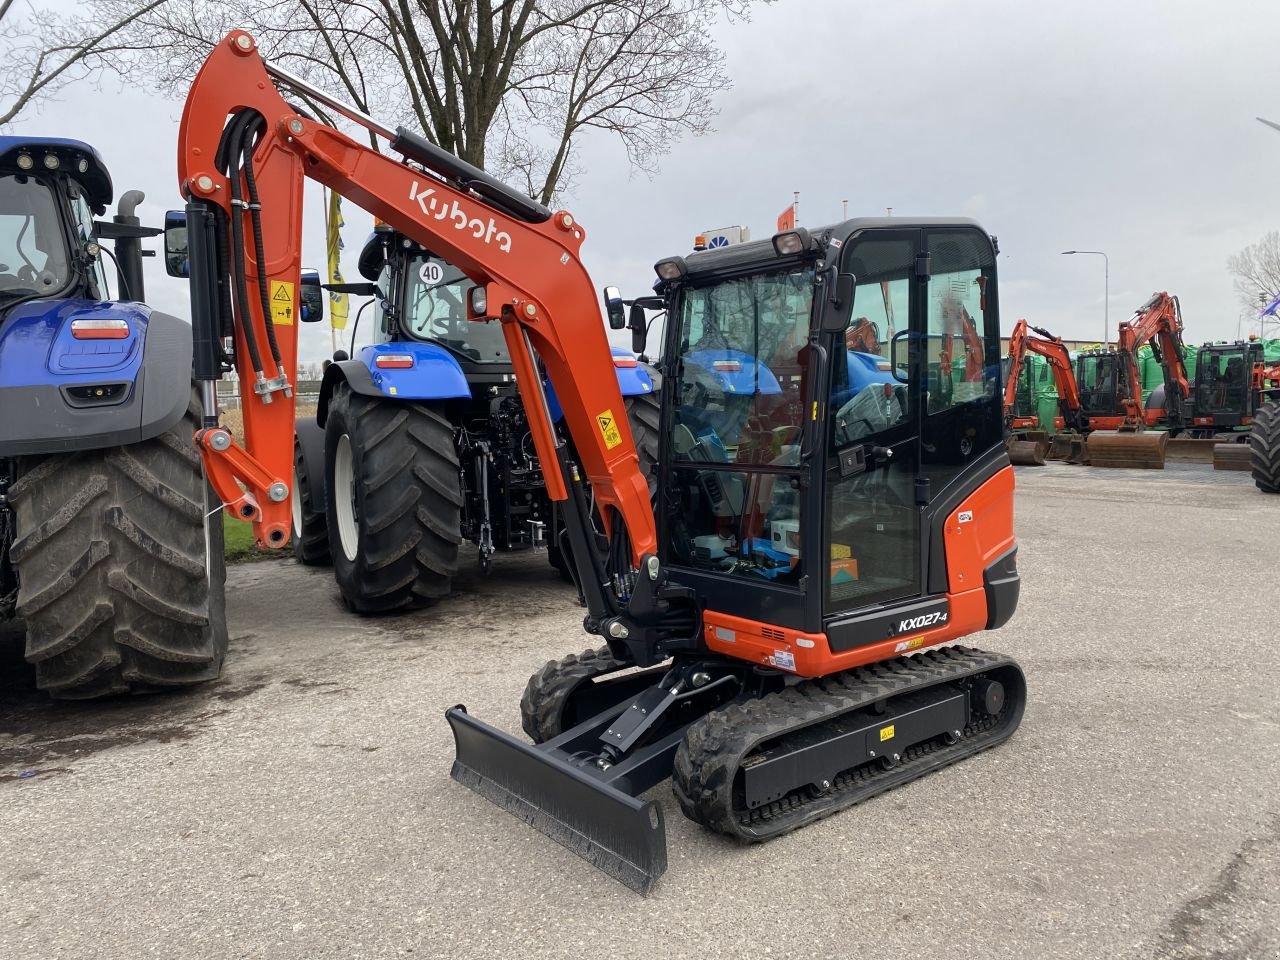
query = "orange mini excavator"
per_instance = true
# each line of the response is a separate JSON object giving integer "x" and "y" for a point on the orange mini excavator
{"x": 1024, "y": 448}
{"x": 1111, "y": 385}
{"x": 771, "y": 638}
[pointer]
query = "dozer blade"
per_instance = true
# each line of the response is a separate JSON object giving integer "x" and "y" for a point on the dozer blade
{"x": 1231, "y": 456}
{"x": 1143, "y": 450}
{"x": 1187, "y": 450}
{"x": 615, "y": 832}
{"x": 1027, "y": 453}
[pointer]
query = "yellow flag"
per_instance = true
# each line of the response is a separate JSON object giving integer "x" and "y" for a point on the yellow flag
{"x": 338, "y": 302}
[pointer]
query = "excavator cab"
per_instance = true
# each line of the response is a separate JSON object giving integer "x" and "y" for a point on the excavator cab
{"x": 1223, "y": 394}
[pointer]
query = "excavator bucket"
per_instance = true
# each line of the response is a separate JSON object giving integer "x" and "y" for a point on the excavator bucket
{"x": 1067, "y": 446}
{"x": 1024, "y": 452}
{"x": 1231, "y": 456}
{"x": 1187, "y": 450}
{"x": 609, "y": 828}
{"x": 1142, "y": 449}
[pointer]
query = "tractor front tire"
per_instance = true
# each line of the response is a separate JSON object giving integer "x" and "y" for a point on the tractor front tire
{"x": 310, "y": 531}
{"x": 121, "y": 569}
{"x": 643, "y": 415}
{"x": 1264, "y": 447}
{"x": 394, "y": 501}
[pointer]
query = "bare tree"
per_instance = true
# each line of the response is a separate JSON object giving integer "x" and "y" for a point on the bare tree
{"x": 510, "y": 85}
{"x": 1256, "y": 269}
{"x": 43, "y": 51}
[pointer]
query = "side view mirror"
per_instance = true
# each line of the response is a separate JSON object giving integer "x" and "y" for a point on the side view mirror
{"x": 900, "y": 366}
{"x": 614, "y": 308}
{"x": 176, "y": 260}
{"x": 311, "y": 297}
{"x": 639, "y": 324}
{"x": 835, "y": 311}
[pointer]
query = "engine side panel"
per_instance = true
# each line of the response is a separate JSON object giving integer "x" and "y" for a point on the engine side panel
{"x": 61, "y": 394}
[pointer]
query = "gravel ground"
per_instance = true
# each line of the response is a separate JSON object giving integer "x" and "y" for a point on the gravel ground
{"x": 301, "y": 807}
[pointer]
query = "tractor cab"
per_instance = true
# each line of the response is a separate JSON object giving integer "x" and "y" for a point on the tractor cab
{"x": 426, "y": 300}
{"x": 817, "y": 477}
{"x": 50, "y": 190}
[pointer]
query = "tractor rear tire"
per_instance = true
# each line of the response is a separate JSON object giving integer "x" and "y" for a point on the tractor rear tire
{"x": 310, "y": 529}
{"x": 643, "y": 415}
{"x": 643, "y": 410}
{"x": 122, "y": 575}
{"x": 1264, "y": 447}
{"x": 394, "y": 501}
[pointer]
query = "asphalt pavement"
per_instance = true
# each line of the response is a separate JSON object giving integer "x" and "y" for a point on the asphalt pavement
{"x": 301, "y": 807}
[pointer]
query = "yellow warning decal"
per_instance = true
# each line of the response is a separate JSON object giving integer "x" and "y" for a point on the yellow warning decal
{"x": 609, "y": 429}
{"x": 886, "y": 733}
{"x": 282, "y": 302}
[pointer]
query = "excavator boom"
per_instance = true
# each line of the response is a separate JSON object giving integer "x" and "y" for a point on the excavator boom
{"x": 523, "y": 258}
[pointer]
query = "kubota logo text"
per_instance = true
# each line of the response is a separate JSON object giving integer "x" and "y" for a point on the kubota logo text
{"x": 453, "y": 212}
{"x": 927, "y": 620}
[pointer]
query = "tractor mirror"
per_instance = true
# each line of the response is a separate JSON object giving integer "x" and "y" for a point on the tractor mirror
{"x": 639, "y": 325}
{"x": 835, "y": 312}
{"x": 311, "y": 297}
{"x": 177, "y": 262}
{"x": 614, "y": 308}
{"x": 900, "y": 357}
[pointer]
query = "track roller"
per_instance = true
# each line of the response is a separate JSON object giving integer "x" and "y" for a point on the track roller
{"x": 1142, "y": 449}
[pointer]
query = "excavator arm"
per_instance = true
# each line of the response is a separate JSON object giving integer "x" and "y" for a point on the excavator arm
{"x": 1158, "y": 322}
{"x": 243, "y": 156}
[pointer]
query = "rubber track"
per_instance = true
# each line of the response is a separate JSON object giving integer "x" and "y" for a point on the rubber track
{"x": 548, "y": 690}
{"x": 111, "y": 558}
{"x": 715, "y": 745}
{"x": 1264, "y": 447}
{"x": 311, "y": 543}
{"x": 410, "y": 494}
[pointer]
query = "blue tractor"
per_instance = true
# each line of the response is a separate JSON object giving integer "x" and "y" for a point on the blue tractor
{"x": 421, "y": 442}
{"x": 107, "y": 553}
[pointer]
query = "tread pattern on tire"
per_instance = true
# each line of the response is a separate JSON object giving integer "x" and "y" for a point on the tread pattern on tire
{"x": 311, "y": 543}
{"x": 643, "y": 415}
{"x": 1264, "y": 447}
{"x": 409, "y": 493}
{"x": 111, "y": 556}
{"x": 545, "y": 695}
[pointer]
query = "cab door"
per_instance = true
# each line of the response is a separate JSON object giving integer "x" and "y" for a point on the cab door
{"x": 911, "y": 441}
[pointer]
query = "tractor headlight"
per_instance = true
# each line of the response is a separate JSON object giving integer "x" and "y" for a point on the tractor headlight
{"x": 83, "y": 165}
{"x": 51, "y": 161}
{"x": 25, "y": 162}
{"x": 478, "y": 300}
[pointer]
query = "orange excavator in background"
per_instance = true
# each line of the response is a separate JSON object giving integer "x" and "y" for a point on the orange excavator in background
{"x": 1028, "y": 445}
{"x": 770, "y": 637}
{"x": 1112, "y": 397}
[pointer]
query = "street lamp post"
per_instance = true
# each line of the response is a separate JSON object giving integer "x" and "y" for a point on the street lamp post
{"x": 1106, "y": 295}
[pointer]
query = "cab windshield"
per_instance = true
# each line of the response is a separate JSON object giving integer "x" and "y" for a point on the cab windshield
{"x": 33, "y": 245}
{"x": 1222, "y": 381}
{"x": 436, "y": 309}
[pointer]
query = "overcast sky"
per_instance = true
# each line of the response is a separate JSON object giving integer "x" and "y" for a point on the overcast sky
{"x": 1125, "y": 127}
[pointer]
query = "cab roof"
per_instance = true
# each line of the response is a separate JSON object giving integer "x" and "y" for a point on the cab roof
{"x": 740, "y": 255}
{"x": 96, "y": 181}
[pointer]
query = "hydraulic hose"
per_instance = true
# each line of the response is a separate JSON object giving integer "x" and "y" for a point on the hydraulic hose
{"x": 229, "y": 153}
{"x": 251, "y": 133}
